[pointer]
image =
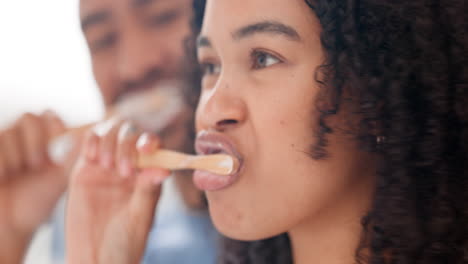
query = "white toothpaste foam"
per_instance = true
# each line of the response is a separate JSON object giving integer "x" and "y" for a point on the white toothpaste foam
{"x": 227, "y": 163}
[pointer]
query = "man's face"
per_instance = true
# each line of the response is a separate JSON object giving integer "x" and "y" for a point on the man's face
{"x": 134, "y": 44}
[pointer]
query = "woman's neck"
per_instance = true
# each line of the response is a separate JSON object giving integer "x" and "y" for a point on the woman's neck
{"x": 332, "y": 244}
{"x": 332, "y": 235}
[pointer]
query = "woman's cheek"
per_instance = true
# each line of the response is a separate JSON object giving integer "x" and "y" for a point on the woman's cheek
{"x": 200, "y": 111}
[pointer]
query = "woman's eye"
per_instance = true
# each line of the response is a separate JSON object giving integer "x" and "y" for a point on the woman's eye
{"x": 210, "y": 69}
{"x": 262, "y": 60}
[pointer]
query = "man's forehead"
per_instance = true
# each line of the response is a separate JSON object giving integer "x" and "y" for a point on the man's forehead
{"x": 87, "y": 6}
{"x": 91, "y": 6}
{"x": 94, "y": 12}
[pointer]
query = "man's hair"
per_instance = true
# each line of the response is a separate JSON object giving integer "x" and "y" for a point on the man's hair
{"x": 405, "y": 65}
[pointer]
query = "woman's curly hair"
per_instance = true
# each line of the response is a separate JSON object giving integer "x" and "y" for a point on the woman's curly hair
{"x": 403, "y": 66}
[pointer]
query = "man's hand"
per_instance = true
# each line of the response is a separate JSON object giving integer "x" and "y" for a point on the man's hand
{"x": 111, "y": 203}
{"x": 30, "y": 184}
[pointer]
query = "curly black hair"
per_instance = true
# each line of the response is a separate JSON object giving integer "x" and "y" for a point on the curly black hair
{"x": 402, "y": 65}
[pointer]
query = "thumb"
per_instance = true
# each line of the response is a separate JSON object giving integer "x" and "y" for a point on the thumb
{"x": 58, "y": 144}
{"x": 55, "y": 125}
{"x": 146, "y": 194}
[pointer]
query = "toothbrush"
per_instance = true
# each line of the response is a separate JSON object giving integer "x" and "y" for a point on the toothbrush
{"x": 221, "y": 164}
{"x": 161, "y": 104}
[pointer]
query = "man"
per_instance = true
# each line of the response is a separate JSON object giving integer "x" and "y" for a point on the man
{"x": 135, "y": 45}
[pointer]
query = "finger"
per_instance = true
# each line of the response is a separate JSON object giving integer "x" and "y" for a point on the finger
{"x": 54, "y": 125}
{"x": 126, "y": 151}
{"x": 148, "y": 143}
{"x": 148, "y": 189}
{"x": 149, "y": 180}
{"x": 12, "y": 161}
{"x": 3, "y": 173}
{"x": 90, "y": 149}
{"x": 144, "y": 200}
{"x": 107, "y": 144}
{"x": 58, "y": 147}
{"x": 31, "y": 134}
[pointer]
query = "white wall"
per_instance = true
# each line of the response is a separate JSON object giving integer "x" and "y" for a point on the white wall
{"x": 44, "y": 63}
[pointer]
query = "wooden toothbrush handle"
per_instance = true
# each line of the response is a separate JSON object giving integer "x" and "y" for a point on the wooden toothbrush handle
{"x": 163, "y": 158}
{"x": 220, "y": 164}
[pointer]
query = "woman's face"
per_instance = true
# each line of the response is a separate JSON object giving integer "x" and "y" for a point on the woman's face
{"x": 259, "y": 59}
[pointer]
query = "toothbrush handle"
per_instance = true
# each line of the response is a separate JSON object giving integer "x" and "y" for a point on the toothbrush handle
{"x": 220, "y": 164}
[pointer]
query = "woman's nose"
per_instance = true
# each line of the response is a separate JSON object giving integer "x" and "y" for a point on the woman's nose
{"x": 221, "y": 109}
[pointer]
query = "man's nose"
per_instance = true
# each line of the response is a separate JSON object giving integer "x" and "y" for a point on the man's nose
{"x": 221, "y": 109}
{"x": 137, "y": 56}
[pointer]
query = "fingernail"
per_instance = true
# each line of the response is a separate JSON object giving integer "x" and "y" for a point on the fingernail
{"x": 125, "y": 168}
{"x": 128, "y": 128}
{"x": 143, "y": 140}
{"x": 102, "y": 128}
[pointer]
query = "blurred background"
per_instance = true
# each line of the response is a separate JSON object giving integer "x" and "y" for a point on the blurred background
{"x": 44, "y": 63}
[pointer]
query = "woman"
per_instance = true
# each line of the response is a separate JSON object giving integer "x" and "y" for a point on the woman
{"x": 349, "y": 120}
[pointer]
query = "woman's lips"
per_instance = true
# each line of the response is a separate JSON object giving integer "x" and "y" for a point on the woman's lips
{"x": 214, "y": 143}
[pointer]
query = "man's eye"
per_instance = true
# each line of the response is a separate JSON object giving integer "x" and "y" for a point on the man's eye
{"x": 210, "y": 69}
{"x": 104, "y": 42}
{"x": 261, "y": 59}
{"x": 163, "y": 18}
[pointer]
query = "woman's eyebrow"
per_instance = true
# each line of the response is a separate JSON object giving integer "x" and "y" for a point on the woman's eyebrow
{"x": 267, "y": 27}
{"x": 263, "y": 27}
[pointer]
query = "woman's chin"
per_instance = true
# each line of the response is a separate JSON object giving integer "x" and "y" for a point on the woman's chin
{"x": 240, "y": 226}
